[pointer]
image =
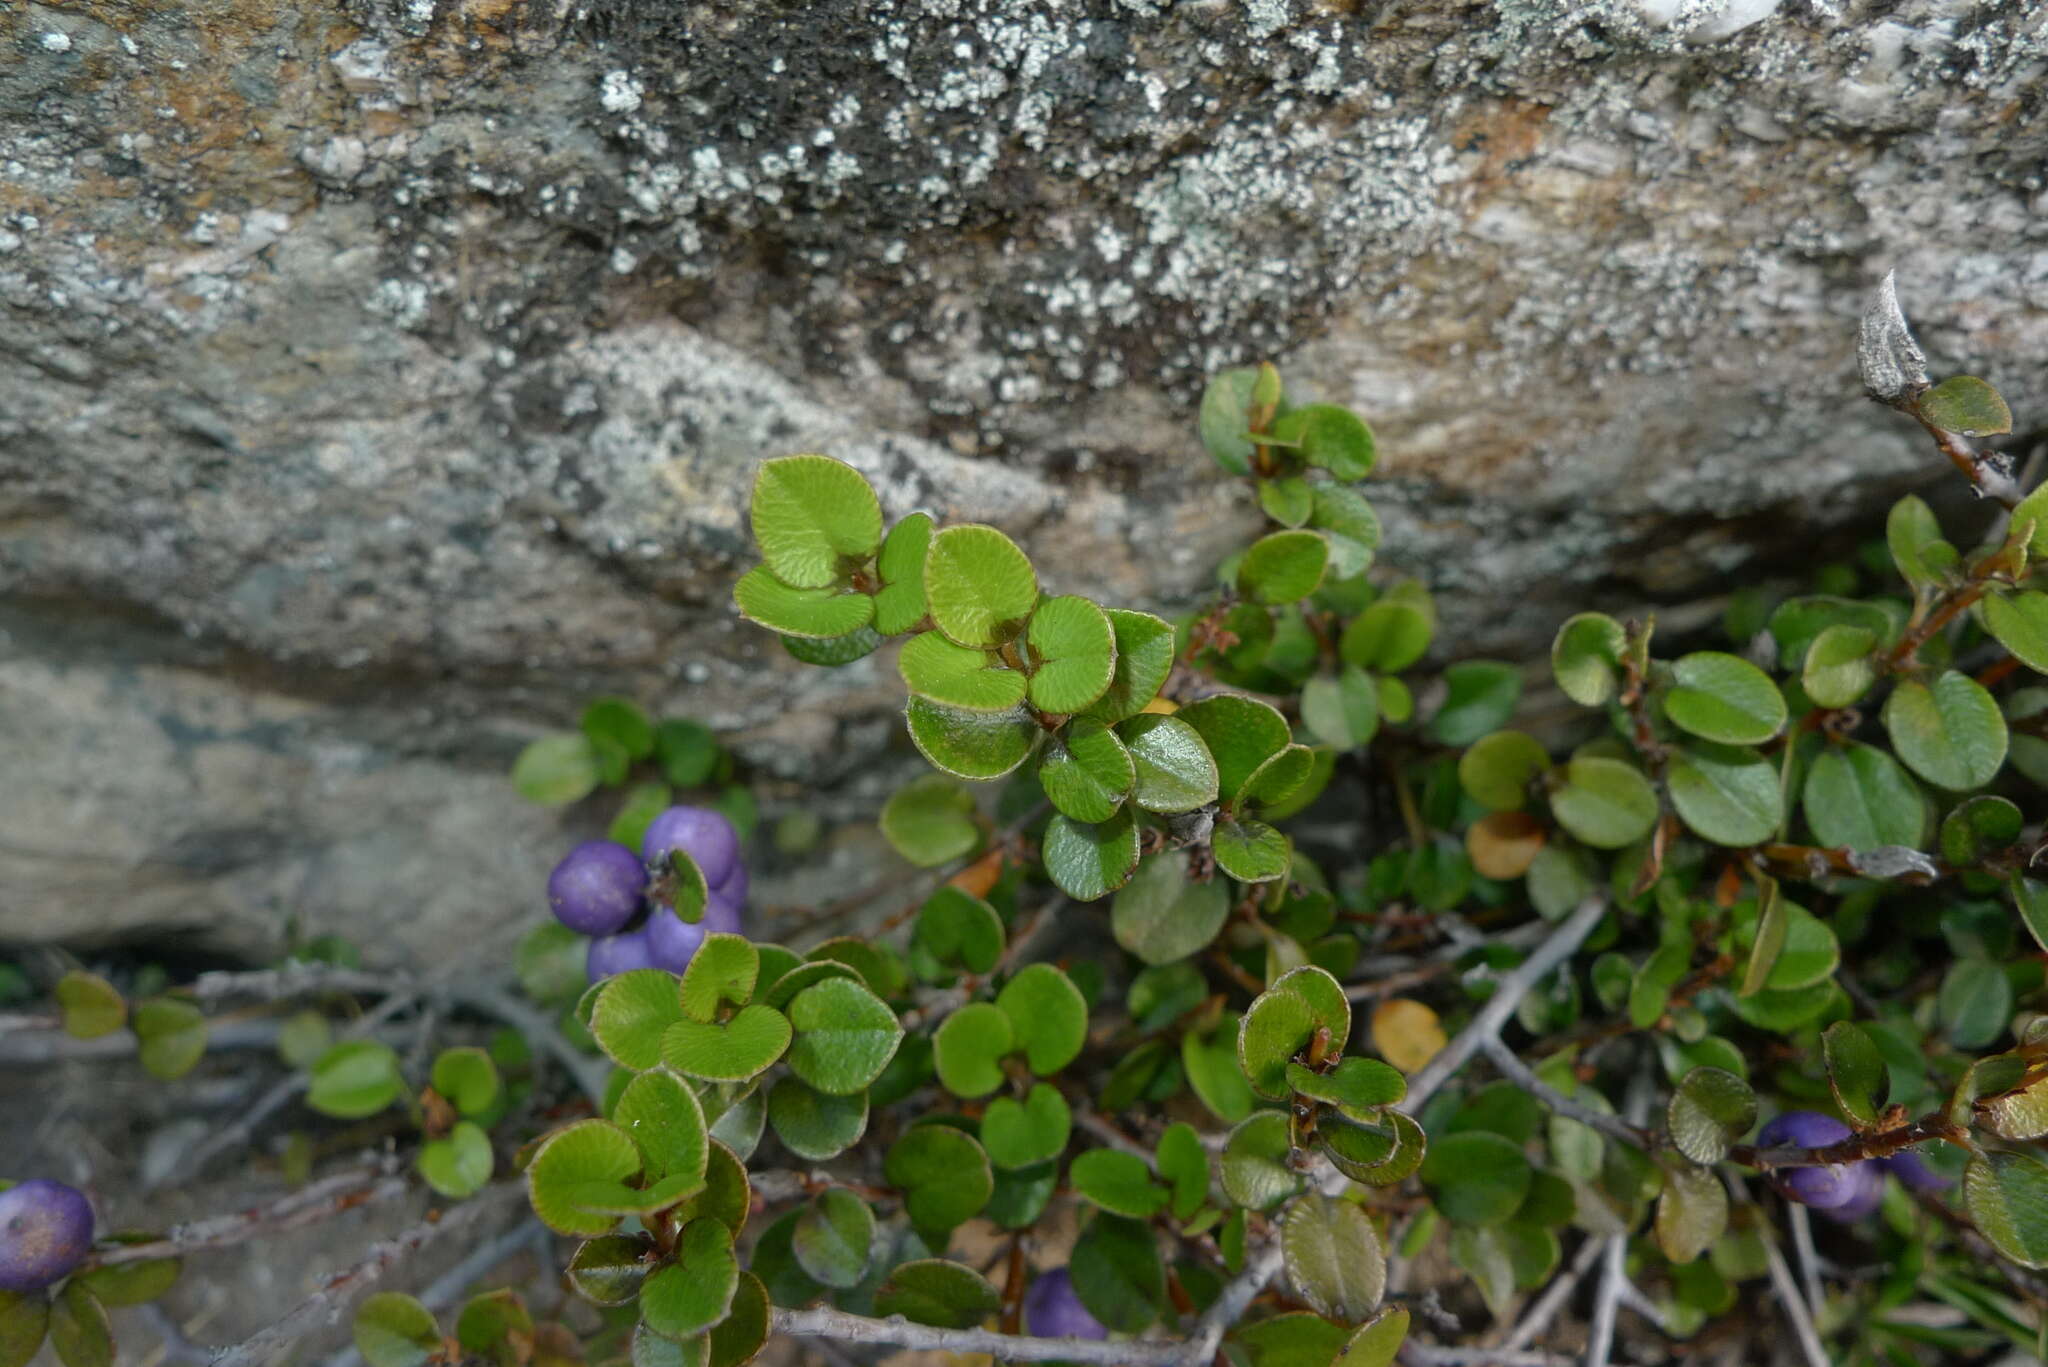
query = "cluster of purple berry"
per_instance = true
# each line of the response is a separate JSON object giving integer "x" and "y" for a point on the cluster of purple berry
{"x": 1840, "y": 1191}
{"x": 625, "y": 901}
{"x": 45, "y": 1231}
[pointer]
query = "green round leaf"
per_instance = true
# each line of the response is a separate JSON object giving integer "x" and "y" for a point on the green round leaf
{"x": 815, "y": 519}
{"x": 1692, "y": 1212}
{"x": 1241, "y": 734}
{"x": 1174, "y": 771}
{"x": 1839, "y": 666}
{"x": 1088, "y": 861}
{"x": 1073, "y": 651}
{"x": 1857, "y": 796}
{"x": 467, "y": 1078}
{"x": 458, "y": 1165}
{"x": 1021, "y": 1134}
{"x": 648, "y": 1348}
{"x": 666, "y": 1121}
{"x": 834, "y": 1238}
{"x": 900, "y": 604}
{"x": 814, "y": 1125}
{"x": 938, "y": 1292}
{"x": 1856, "y": 1072}
{"x": 1276, "y": 1028}
{"x": 1481, "y": 696}
{"x": 956, "y": 927}
{"x": 633, "y": 1011}
{"x": 493, "y": 1326}
{"x": 1086, "y": 771}
{"x": 976, "y": 745}
{"x": 1210, "y": 1062}
{"x": 1727, "y": 795}
{"x": 1280, "y": 777}
{"x": 1161, "y": 916}
{"x": 1378, "y": 1155}
{"x": 1911, "y": 532}
{"x": 695, "y": 1290}
{"x": 1585, "y": 657}
{"x": 2020, "y": 622}
{"x": 1797, "y": 622}
{"x": 1048, "y": 1016}
{"x": 930, "y": 821}
{"x": 1283, "y": 567}
{"x": 1184, "y": 1163}
{"x": 810, "y": 613}
{"x": 978, "y": 586}
{"x": 1250, "y": 851}
{"x": 943, "y": 1173}
{"x": 1225, "y": 418}
{"x": 1979, "y": 827}
{"x": 736, "y": 1339}
{"x": 969, "y": 1047}
{"x": 1951, "y": 734}
{"x": 1376, "y": 1342}
{"x": 1393, "y": 632}
{"x": 1710, "y": 1110}
{"x": 1118, "y": 1182}
{"x": 1966, "y": 405}
{"x": 556, "y": 770}
{"x": 1333, "y": 1258}
{"x": 1477, "y": 1177}
{"x": 844, "y": 1036}
{"x": 831, "y": 651}
{"x": 1974, "y": 1004}
{"x": 1144, "y": 657}
{"x": 1497, "y": 770}
{"x": 90, "y": 1005}
{"x": 24, "y": 1320}
{"x": 79, "y": 1330}
{"x": 608, "y": 1270}
{"x": 1254, "y": 1168}
{"x": 1359, "y": 1086}
{"x": 1607, "y": 803}
{"x": 119, "y": 1285}
{"x": 1351, "y": 525}
{"x": 734, "y": 1051}
{"x": 966, "y": 677}
{"x": 1330, "y": 437}
{"x": 394, "y": 1330}
{"x": 727, "y": 1195}
{"x": 572, "y": 1160}
{"x": 355, "y": 1079}
{"x": 1117, "y": 1273}
{"x": 2007, "y": 1197}
{"x": 1341, "y": 709}
{"x": 1724, "y": 698}
{"x": 722, "y": 971}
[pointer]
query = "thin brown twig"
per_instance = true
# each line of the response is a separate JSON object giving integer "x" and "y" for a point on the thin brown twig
{"x": 311, "y": 1204}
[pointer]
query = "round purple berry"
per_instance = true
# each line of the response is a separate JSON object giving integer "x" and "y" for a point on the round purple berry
{"x": 613, "y": 954}
{"x": 703, "y": 834}
{"x": 674, "y": 941}
{"x": 734, "y": 888}
{"x": 1914, "y": 1174}
{"x": 1802, "y": 1129}
{"x": 45, "y": 1231}
{"x": 1052, "y": 1310}
{"x": 1865, "y": 1184}
{"x": 596, "y": 888}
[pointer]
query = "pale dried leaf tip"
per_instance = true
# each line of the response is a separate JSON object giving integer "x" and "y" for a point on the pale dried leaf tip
{"x": 1892, "y": 861}
{"x": 1892, "y": 363}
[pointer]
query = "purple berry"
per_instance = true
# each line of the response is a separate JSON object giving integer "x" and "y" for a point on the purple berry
{"x": 703, "y": 834}
{"x": 673, "y": 940}
{"x": 596, "y": 888}
{"x": 1835, "y": 1187}
{"x": 1914, "y": 1174}
{"x": 734, "y": 888}
{"x": 614, "y": 954}
{"x": 1865, "y": 1182}
{"x": 1052, "y": 1310}
{"x": 45, "y": 1231}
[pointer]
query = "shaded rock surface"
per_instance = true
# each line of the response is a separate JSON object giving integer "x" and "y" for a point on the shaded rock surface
{"x": 378, "y": 381}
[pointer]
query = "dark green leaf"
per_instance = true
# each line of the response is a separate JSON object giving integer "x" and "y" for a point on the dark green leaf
{"x": 834, "y": 1237}
{"x": 844, "y": 1036}
{"x": 1144, "y": 657}
{"x": 394, "y": 1330}
{"x": 1724, "y": 793}
{"x": 944, "y": 1174}
{"x": 1118, "y": 1182}
{"x": 1966, "y": 405}
{"x": 2007, "y": 1197}
{"x": 1951, "y": 734}
{"x": 1482, "y": 696}
{"x": 1478, "y": 1178}
{"x": 695, "y": 1290}
{"x": 1857, "y": 796}
{"x": 1856, "y": 1073}
{"x": 976, "y": 745}
{"x": 1022, "y": 1134}
{"x": 1048, "y": 1016}
{"x": 1710, "y": 1110}
{"x": 1333, "y": 1258}
{"x": 1090, "y": 861}
{"x": 1607, "y": 803}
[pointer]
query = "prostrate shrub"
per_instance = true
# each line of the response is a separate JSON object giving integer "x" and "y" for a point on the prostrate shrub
{"x": 1521, "y": 995}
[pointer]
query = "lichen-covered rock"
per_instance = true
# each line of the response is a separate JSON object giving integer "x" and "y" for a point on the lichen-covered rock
{"x": 421, "y": 351}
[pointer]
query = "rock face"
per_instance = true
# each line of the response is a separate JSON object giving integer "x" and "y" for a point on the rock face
{"x": 379, "y": 380}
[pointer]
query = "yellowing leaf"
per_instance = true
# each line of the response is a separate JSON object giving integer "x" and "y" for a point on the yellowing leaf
{"x": 1407, "y": 1033}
